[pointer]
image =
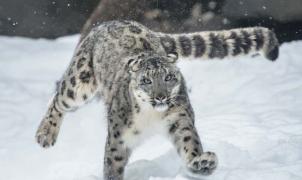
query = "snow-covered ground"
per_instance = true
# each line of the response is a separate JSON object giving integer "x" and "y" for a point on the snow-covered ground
{"x": 248, "y": 111}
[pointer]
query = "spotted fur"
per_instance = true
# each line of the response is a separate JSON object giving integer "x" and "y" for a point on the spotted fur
{"x": 134, "y": 70}
{"x": 220, "y": 44}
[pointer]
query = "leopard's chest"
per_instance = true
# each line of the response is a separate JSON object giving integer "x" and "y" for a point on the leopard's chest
{"x": 145, "y": 123}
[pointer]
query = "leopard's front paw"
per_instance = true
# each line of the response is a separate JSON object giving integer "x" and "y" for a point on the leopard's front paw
{"x": 47, "y": 134}
{"x": 204, "y": 164}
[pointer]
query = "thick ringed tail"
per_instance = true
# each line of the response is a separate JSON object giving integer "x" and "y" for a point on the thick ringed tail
{"x": 220, "y": 44}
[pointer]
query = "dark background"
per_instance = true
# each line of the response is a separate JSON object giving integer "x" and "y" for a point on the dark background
{"x": 55, "y": 18}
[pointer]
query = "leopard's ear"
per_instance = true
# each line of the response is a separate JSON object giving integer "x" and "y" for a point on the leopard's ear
{"x": 133, "y": 65}
{"x": 172, "y": 57}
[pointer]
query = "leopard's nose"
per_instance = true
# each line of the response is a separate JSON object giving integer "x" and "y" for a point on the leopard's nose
{"x": 161, "y": 98}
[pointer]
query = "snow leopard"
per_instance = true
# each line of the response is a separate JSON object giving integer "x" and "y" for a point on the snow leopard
{"x": 134, "y": 71}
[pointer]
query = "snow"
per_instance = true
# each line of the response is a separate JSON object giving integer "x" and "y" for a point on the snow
{"x": 248, "y": 110}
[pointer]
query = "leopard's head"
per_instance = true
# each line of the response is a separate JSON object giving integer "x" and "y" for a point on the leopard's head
{"x": 155, "y": 80}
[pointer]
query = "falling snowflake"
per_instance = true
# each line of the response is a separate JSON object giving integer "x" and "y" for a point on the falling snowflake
{"x": 212, "y": 5}
{"x": 225, "y": 21}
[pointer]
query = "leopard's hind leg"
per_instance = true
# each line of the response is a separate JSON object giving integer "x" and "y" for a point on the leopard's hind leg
{"x": 77, "y": 86}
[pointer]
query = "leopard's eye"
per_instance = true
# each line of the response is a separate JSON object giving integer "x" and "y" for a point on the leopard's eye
{"x": 146, "y": 81}
{"x": 169, "y": 77}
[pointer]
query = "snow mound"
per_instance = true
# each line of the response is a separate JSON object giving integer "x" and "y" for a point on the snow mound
{"x": 248, "y": 110}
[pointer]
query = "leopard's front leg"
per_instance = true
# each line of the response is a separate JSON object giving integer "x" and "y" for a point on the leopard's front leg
{"x": 185, "y": 138}
{"x": 116, "y": 158}
{"x": 116, "y": 150}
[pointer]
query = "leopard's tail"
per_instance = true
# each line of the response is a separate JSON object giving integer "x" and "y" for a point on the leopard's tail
{"x": 220, "y": 44}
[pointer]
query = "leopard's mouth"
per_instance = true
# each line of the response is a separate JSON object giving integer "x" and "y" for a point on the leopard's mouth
{"x": 161, "y": 107}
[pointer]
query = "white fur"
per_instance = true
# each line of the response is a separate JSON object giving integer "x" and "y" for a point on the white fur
{"x": 161, "y": 107}
{"x": 147, "y": 122}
